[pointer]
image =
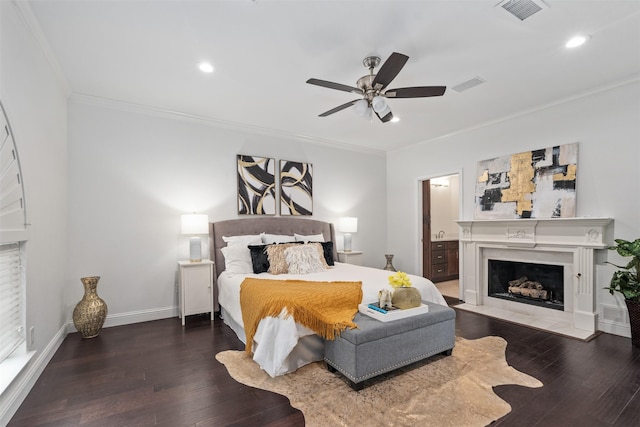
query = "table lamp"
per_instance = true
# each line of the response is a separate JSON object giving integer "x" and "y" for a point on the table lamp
{"x": 348, "y": 225}
{"x": 194, "y": 224}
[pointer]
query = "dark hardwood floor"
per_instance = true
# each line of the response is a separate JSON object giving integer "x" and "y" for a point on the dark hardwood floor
{"x": 159, "y": 373}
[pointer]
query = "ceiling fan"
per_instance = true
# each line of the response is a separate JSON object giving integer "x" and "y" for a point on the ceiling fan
{"x": 372, "y": 88}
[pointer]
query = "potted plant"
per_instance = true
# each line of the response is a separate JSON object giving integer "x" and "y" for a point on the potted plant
{"x": 627, "y": 282}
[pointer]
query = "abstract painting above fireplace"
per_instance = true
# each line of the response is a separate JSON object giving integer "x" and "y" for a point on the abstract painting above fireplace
{"x": 533, "y": 184}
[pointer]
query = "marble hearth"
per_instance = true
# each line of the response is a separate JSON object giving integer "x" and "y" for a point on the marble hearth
{"x": 568, "y": 242}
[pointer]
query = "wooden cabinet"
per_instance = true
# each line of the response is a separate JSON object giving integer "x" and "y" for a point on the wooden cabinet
{"x": 196, "y": 288}
{"x": 444, "y": 260}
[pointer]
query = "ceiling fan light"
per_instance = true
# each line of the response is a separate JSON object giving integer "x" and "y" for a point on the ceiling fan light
{"x": 360, "y": 107}
{"x": 386, "y": 110}
{"x": 378, "y": 103}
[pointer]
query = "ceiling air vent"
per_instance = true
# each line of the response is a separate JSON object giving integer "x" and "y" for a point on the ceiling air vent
{"x": 523, "y": 9}
{"x": 468, "y": 84}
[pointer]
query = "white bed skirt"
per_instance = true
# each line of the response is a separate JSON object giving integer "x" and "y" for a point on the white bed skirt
{"x": 308, "y": 349}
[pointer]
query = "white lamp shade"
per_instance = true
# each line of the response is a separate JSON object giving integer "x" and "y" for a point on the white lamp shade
{"x": 195, "y": 224}
{"x": 384, "y": 111}
{"x": 348, "y": 224}
{"x": 360, "y": 107}
{"x": 379, "y": 104}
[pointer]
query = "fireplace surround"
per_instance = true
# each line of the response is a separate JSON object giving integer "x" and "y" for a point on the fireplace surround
{"x": 570, "y": 243}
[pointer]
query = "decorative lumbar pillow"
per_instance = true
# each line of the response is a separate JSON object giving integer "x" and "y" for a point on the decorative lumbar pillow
{"x": 310, "y": 238}
{"x": 237, "y": 259}
{"x": 303, "y": 259}
{"x": 259, "y": 258}
{"x": 277, "y": 261}
{"x": 320, "y": 250}
{"x": 277, "y": 238}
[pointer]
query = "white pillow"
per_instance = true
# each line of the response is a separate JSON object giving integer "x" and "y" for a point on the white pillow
{"x": 268, "y": 239}
{"x": 237, "y": 259}
{"x": 303, "y": 259}
{"x": 310, "y": 238}
{"x": 252, "y": 239}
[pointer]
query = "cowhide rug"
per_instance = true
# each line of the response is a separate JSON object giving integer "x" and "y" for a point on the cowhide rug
{"x": 441, "y": 391}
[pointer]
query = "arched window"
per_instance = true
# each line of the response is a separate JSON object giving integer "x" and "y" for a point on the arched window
{"x": 12, "y": 242}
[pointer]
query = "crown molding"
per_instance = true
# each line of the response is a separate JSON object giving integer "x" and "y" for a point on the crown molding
{"x": 131, "y": 107}
{"x": 631, "y": 80}
{"x": 32, "y": 25}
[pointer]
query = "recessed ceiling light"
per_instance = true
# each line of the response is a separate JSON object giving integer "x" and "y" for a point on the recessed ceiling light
{"x": 395, "y": 119}
{"x": 577, "y": 41}
{"x": 205, "y": 67}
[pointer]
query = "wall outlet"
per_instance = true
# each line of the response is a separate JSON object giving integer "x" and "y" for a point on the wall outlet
{"x": 32, "y": 336}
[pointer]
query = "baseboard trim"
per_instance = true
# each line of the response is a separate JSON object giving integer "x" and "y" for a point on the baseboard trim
{"x": 128, "y": 318}
{"x": 18, "y": 390}
{"x": 615, "y": 328}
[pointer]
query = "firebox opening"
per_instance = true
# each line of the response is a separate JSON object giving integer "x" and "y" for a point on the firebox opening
{"x": 536, "y": 284}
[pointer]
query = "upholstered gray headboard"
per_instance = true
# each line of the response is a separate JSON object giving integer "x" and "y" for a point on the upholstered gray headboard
{"x": 271, "y": 225}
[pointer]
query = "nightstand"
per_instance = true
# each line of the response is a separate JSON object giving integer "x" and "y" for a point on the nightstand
{"x": 352, "y": 257}
{"x": 196, "y": 288}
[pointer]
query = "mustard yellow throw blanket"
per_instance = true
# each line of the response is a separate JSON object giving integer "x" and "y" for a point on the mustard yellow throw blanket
{"x": 326, "y": 308}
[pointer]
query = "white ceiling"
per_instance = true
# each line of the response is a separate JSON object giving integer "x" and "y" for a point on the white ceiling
{"x": 147, "y": 52}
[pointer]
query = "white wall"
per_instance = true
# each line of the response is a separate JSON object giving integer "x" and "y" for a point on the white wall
{"x": 36, "y": 107}
{"x": 607, "y": 127}
{"x": 133, "y": 173}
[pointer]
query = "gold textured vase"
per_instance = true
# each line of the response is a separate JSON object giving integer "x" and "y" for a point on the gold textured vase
{"x": 406, "y": 297}
{"x": 90, "y": 313}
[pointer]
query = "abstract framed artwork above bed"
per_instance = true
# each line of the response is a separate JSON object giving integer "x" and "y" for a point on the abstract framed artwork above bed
{"x": 296, "y": 188}
{"x": 256, "y": 185}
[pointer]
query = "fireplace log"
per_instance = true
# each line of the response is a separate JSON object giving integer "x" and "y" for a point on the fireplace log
{"x": 519, "y": 281}
{"x": 528, "y": 288}
{"x": 525, "y": 289}
{"x": 516, "y": 285}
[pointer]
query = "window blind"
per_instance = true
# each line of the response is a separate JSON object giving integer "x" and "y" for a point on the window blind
{"x": 11, "y": 299}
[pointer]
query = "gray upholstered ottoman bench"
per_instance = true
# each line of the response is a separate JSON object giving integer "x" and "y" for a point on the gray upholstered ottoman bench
{"x": 378, "y": 347}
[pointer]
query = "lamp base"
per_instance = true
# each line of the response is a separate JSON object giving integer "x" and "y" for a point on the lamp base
{"x": 347, "y": 242}
{"x": 195, "y": 249}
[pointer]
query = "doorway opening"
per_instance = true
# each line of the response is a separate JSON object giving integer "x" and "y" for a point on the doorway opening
{"x": 440, "y": 248}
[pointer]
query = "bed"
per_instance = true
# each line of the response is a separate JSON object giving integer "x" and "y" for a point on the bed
{"x": 280, "y": 345}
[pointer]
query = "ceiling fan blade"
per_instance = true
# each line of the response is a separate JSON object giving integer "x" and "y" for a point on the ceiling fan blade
{"x": 386, "y": 117}
{"x": 339, "y": 108}
{"x": 389, "y": 70}
{"x": 415, "y": 92}
{"x": 336, "y": 86}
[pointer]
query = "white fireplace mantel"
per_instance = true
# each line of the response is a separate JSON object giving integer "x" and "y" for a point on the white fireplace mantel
{"x": 585, "y": 232}
{"x": 571, "y": 242}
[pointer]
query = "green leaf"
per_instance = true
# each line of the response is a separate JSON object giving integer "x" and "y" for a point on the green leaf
{"x": 626, "y": 248}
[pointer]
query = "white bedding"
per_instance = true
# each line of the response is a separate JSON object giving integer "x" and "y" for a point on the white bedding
{"x": 278, "y": 345}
